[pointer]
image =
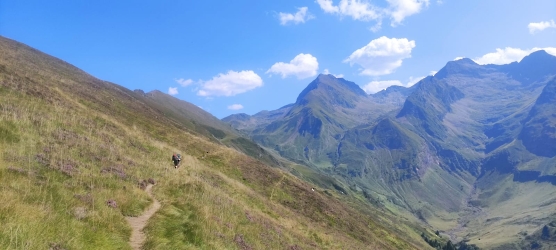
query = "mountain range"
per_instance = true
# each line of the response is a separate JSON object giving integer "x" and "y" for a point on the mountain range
{"x": 469, "y": 151}
{"x": 79, "y": 156}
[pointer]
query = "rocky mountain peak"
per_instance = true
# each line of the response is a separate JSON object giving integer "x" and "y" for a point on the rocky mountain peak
{"x": 328, "y": 87}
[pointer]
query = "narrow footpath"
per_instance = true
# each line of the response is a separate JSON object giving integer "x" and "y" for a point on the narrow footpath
{"x": 138, "y": 223}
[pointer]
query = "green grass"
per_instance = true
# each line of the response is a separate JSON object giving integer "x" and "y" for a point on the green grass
{"x": 8, "y": 132}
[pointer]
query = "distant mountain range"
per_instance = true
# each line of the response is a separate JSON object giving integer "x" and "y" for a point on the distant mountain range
{"x": 467, "y": 150}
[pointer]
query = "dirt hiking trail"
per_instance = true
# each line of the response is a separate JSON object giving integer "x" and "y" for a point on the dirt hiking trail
{"x": 138, "y": 223}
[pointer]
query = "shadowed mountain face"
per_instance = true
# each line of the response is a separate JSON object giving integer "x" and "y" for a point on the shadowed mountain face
{"x": 426, "y": 107}
{"x": 539, "y": 132}
{"x": 467, "y": 138}
{"x": 535, "y": 67}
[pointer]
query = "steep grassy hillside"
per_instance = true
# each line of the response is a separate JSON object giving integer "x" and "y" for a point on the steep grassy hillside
{"x": 76, "y": 151}
{"x": 203, "y": 123}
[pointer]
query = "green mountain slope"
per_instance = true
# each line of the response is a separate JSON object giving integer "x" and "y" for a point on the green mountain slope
{"x": 75, "y": 152}
{"x": 469, "y": 151}
{"x": 312, "y": 127}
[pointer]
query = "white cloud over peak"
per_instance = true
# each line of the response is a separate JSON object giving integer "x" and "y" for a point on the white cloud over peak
{"x": 301, "y": 66}
{"x": 363, "y": 10}
{"x": 540, "y": 26}
{"x": 183, "y": 82}
{"x": 172, "y": 91}
{"x": 509, "y": 55}
{"x": 413, "y": 80}
{"x": 327, "y": 72}
{"x": 376, "y": 86}
{"x": 230, "y": 84}
{"x": 382, "y": 55}
{"x": 301, "y": 16}
{"x": 235, "y": 107}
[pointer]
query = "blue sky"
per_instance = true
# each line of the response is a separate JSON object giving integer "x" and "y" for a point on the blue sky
{"x": 246, "y": 56}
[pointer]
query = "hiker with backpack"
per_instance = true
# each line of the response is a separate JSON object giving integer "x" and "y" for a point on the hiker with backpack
{"x": 176, "y": 159}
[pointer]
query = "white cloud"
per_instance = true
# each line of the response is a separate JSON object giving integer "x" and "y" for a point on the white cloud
{"x": 327, "y": 6}
{"x": 363, "y": 10}
{"x": 359, "y": 10}
{"x": 235, "y": 107}
{"x": 540, "y": 26}
{"x": 302, "y": 66}
{"x": 458, "y": 58}
{"x": 230, "y": 84}
{"x": 327, "y": 72}
{"x": 172, "y": 91}
{"x": 183, "y": 82}
{"x": 413, "y": 80}
{"x": 400, "y": 9}
{"x": 433, "y": 72}
{"x": 382, "y": 55}
{"x": 509, "y": 54}
{"x": 301, "y": 16}
{"x": 377, "y": 26}
{"x": 356, "y": 9}
{"x": 376, "y": 86}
